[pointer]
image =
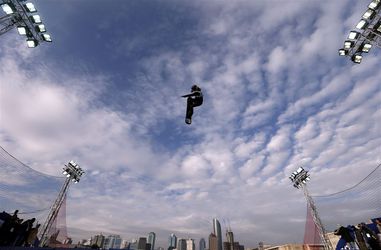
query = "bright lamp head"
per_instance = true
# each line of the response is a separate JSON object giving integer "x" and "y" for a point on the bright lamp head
{"x": 369, "y": 14}
{"x": 357, "y": 58}
{"x": 30, "y": 7}
{"x": 47, "y": 38}
{"x": 377, "y": 26}
{"x": 365, "y": 47}
{"x": 343, "y": 52}
{"x": 353, "y": 35}
{"x": 348, "y": 44}
{"x": 375, "y": 4}
{"x": 362, "y": 24}
{"x": 7, "y": 8}
{"x": 36, "y": 19}
{"x": 22, "y": 30}
{"x": 41, "y": 28}
{"x": 31, "y": 42}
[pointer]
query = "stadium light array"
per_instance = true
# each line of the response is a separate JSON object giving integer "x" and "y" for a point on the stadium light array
{"x": 73, "y": 171}
{"x": 23, "y": 16}
{"x": 366, "y": 35}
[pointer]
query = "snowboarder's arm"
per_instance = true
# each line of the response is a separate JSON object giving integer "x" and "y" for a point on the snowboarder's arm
{"x": 188, "y": 95}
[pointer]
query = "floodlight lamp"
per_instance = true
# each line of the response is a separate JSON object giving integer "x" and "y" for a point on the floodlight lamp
{"x": 353, "y": 35}
{"x": 348, "y": 45}
{"x": 300, "y": 169}
{"x": 41, "y": 28}
{"x": 375, "y": 4}
{"x": 343, "y": 52}
{"x": 47, "y": 38}
{"x": 22, "y": 30}
{"x": 377, "y": 26}
{"x": 64, "y": 172}
{"x": 365, "y": 47}
{"x": 357, "y": 58}
{"x": 369, "y": 14}
{"x": 68, "y": 175}
{"x": 36, "y": 19}
{"x": 31, "y": 42}
{"x": 308, "y": 178}
{"x": 7, "y": 8}
{"x": 362, "y": 24}
{"x": 30, "y": 7}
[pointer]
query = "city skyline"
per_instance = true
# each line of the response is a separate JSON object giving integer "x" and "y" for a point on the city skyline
{"x": 107, "y": 94}
{"x": 100, "y": 240}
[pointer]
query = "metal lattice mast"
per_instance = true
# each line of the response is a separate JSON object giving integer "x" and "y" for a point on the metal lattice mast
{"x": 299, "y": 179}
{"x": 6, "y": 24}
{"x": 73, "y": 173}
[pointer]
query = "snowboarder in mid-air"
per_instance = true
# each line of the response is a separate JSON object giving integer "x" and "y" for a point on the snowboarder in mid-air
{"x": 195, "y": 99}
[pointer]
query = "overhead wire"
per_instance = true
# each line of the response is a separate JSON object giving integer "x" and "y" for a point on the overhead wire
{"x": 350, "y": 188}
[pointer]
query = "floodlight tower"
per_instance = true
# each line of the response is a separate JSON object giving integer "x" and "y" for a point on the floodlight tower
{"x": 73, "y": 173}
{"x": 367, "y": 34}
{"x": 22, "y": 14}
{"x": 299, "y": 178}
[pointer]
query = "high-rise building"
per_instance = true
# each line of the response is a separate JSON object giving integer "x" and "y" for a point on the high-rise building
{"x": 190, "y": 244}
{"x": 142, "y": 243}
{"x": 213, "y": 242}
{"x": 172, "y": 241}
{"x": 98, "y": 240}
{"x": 217, "y": 233}
{"x": 125, "y": 244}
{"x": 134, "y": 244}
{"x": 230, "y": 239}
{"x": 202, "y": 244}
{"x": 181, "y": 244}
{"x": 112, "y": 241}
{"x": 151, "y": 240}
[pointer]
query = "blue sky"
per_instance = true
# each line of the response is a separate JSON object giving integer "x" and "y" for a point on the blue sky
{"x": 106, "y": 93}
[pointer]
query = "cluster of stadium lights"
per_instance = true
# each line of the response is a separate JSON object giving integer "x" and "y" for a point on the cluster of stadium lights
{"x": 300, "y": 177}
{"x": 368, "y": 31}
{"x": 23, "y": 16}
{"x": 73, "y": 171}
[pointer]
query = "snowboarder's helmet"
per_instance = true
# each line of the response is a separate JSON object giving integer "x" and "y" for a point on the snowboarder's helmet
{"x": 195, "y": 87}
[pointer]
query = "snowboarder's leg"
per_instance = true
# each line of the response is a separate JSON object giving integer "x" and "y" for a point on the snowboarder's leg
{"x": 189, "y": 113}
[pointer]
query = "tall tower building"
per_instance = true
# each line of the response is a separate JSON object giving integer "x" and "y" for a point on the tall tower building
{"x": 213, "y": 242}
{"x": 151, "y": 239}
{"x": 142, "y": 243}
{"x": 202, "y": 244}
{"x": 172, "y": 241}
{"x": 230, "y": 239}
{"x": 190, "y": 244}
{"x": 113, "y": 241}
{"x": 98, "y": 240}
{"x": 182, "y": 244}
{"x": 217, "y": 233}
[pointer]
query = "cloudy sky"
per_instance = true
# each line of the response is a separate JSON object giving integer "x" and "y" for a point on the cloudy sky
{"x": 106, "y": 93}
